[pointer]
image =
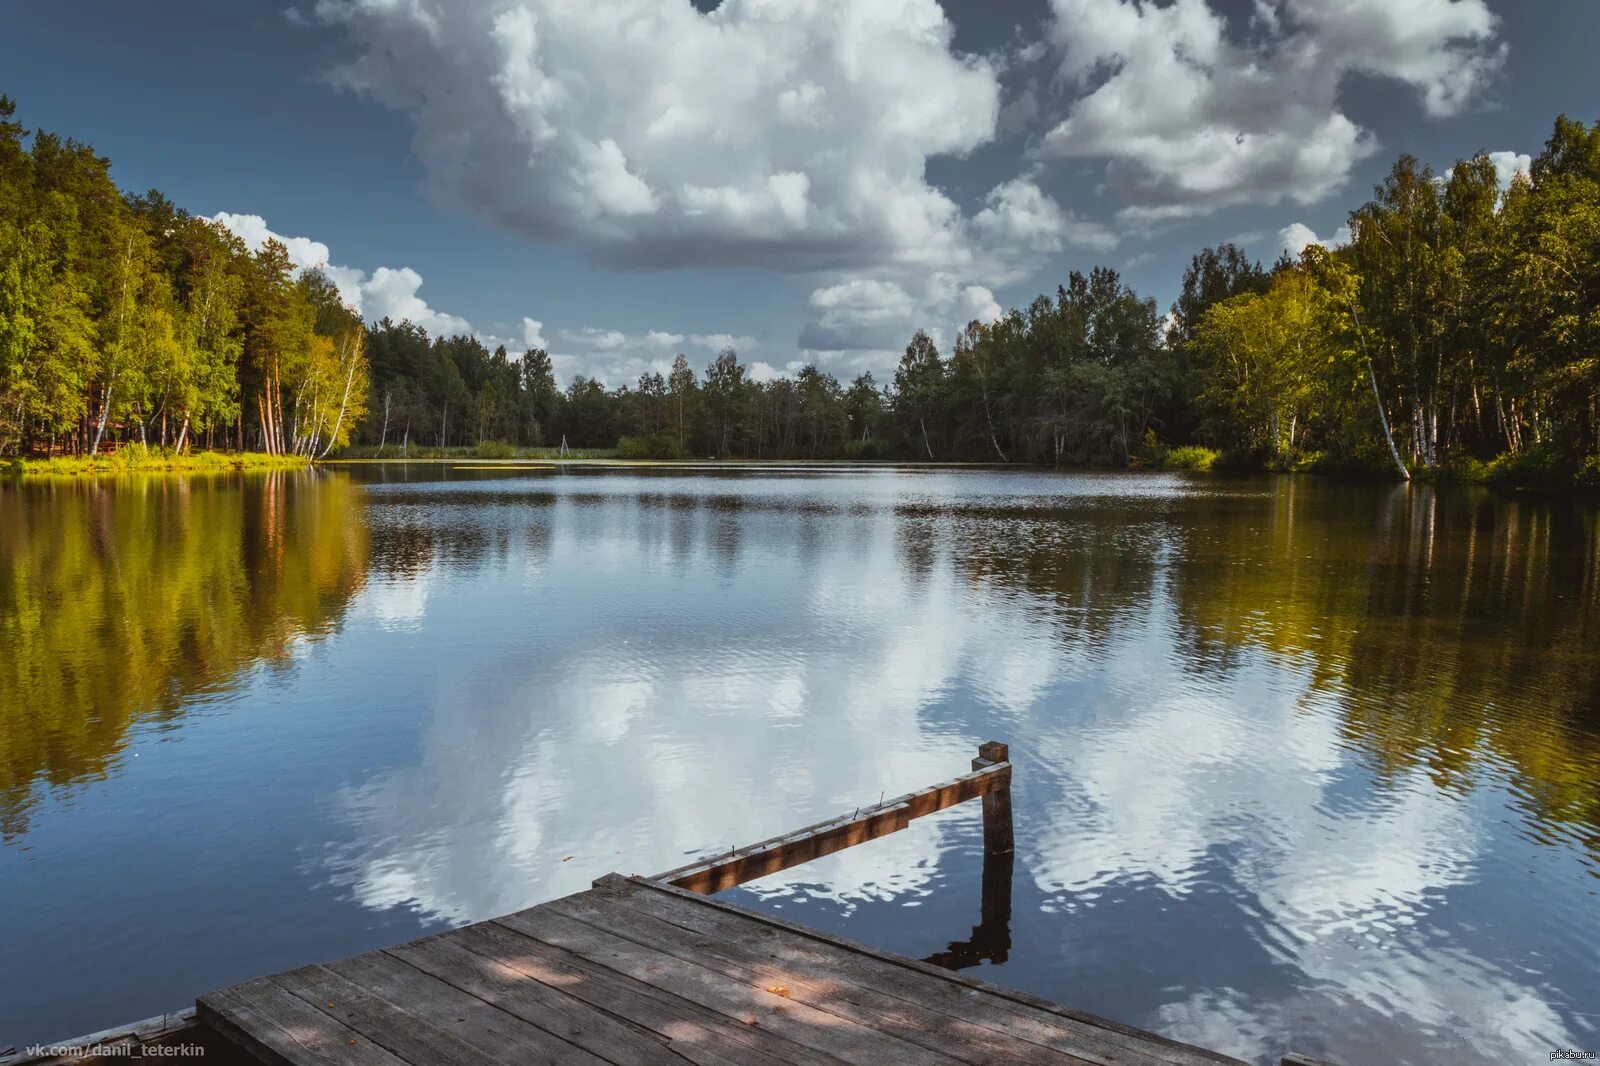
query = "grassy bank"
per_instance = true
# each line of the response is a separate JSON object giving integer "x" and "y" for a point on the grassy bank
{"x": 1188, "y": 457}
{"x": 138, "y": 459}
{"x": 1532, "y": 468}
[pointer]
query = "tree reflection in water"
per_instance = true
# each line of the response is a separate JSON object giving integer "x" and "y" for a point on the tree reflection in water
{"x": 122, "y": 600}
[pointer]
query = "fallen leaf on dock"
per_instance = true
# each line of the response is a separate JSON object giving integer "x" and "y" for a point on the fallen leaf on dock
{"x": 779, "y": 990}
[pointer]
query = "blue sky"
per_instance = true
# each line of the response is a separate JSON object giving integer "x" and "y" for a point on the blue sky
{"x": 810, "y": 180}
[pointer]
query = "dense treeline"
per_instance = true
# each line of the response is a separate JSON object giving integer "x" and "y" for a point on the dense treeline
{"x": 1456, "y": 332}
{"x": 1080, "y": 378}
{"x": 123, "y": 318}
{"x": 1458, "y": 325}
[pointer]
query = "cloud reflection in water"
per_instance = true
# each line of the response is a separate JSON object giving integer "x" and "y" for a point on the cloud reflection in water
{"x": 672, "y": 667}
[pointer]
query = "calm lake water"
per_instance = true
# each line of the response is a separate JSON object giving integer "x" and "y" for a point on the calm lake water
{"x": 1297, "y": 764}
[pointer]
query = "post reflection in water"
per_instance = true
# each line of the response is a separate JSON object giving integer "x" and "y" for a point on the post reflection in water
{"x": 990, "y": 940}
{"x": 991, "y": 937}
{"x": 1296, "y": 763}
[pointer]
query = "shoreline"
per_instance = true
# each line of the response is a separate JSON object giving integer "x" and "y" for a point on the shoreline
{"x": 129, "y": 461}
{"x": 1448, "y": 476}
{"x": 476, "y": 463}
{"x": 122, "y": 463}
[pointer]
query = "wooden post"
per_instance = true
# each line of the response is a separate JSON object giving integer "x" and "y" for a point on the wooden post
{"x": 997, "y": 839}
{"x": 999, "y": 859}
{"x": 991, "y": 937}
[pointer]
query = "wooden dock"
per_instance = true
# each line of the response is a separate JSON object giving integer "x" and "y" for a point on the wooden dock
{"x": 651, "y": 970}
{"x": 635, "y": 971}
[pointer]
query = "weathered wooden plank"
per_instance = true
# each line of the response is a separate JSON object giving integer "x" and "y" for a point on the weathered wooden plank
{"x": 1154, "y": 1044}
{"x": 527, "y": 996}
{"x": 966, "y": 787}
{"x": 379, "y": 1020}
{"x": 772, "y": 856}
{"x": 693, "y": 1031}
{"x": 467, "y": 1017}
{"x": 730, "y": 929}
{"x": 714, "y": 873}
{"x": 717, "y": 872}
{"x": 906, "y": 1017}
{"x": 278, "y": 1027}
{"x": 797, "y": 1022}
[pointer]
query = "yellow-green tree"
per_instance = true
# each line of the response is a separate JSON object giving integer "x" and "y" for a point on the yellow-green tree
{"x": 1271, "y": 360}
{"x": 332, "y": 392}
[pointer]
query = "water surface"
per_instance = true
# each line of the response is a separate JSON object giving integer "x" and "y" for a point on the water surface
{"x": 1298, "y": 764}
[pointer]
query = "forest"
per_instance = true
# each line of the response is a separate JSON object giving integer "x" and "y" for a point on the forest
{"x": 1455, "y": 334}
{"x": 125, "y": 319}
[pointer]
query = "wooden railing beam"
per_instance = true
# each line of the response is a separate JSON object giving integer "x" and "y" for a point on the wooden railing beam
{"x": 990, "y": 779}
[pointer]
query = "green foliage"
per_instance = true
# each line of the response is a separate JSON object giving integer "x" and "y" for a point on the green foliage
{"x": 1466, "y": 470}
{"x": 1308, "y": 462}
{"x": 124, "y": 319}
{"x": 1455, "y": 337}
{"x": 1190, "y": 457}
{"x": 494, "y": 449}
{"x": 1364, "y": 460}
{"x": 1541, "y": 466}
{"x": 1271, "y": 362}
{"x": 865, "y": 451}
{"x": 1237, "y": 461}
{"x": 1588, "y": 475}
{"x": 143, "y": 459}
{"x": 655, "y": 446}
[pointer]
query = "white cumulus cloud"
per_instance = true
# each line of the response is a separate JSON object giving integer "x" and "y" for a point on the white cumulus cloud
{"x": 717, "y": 341}
{"x": 800, "y": 136}
{"x": 791, "y": 136}
{"x": 388, "y": 292}
{"x": 657, "y": 338}
{"x": 1018, "y": 213}
{"x": 764, "y": 372}
{"x": 1192, "y": 113}
{"x": 533, "y": 333}
{"x": 977, "y": 304}
{"x": 1296, "y": 236}
{"x": 759, "y": 132}
{"x": 605, "y": 340}
{"x": 1507, "y": 165}
{"x": 392, "y": 294}
{"x": 616, "y": 357}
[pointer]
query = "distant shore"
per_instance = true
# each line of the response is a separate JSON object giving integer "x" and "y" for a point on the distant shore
{"x": 1501, "y": 475}
{"x": 134, "y": 459}
{"x": 613, "y": 460}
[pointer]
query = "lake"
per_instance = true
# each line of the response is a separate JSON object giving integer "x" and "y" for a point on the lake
{"x": 1298, "y": 764}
